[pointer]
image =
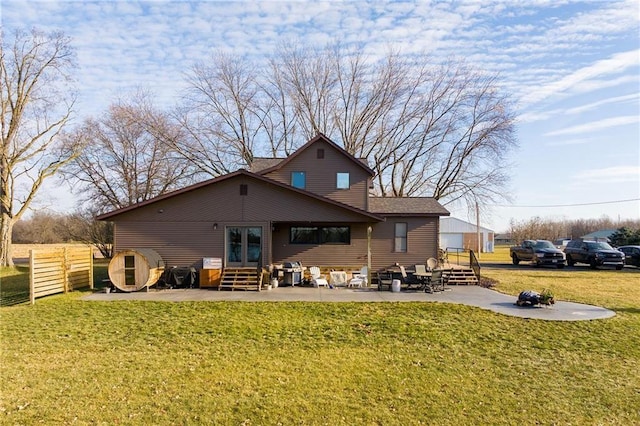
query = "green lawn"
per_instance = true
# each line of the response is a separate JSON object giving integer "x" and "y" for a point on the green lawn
{"x": 65, "y": 360}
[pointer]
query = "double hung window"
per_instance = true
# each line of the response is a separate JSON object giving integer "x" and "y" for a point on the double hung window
{"x": 400, "y": 239}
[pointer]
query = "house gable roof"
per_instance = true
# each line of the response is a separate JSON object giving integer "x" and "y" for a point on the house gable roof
{"x": 267, "y": 165}
{"x": 112, "y": 214}
{"x": 406, "y": 206}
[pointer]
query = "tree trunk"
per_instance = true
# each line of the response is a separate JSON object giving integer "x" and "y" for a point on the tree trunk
{"x": 6, "y": 250}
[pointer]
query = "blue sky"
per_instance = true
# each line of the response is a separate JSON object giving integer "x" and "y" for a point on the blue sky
{"x": 573, "y": 67}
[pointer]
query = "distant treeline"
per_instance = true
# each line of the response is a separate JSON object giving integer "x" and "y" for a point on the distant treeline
{"x": 547, "y": 229}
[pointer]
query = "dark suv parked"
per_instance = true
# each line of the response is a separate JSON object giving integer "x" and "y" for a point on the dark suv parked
{"x": 594, "y": 253}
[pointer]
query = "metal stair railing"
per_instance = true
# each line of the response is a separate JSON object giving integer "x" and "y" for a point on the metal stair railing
{"x": 475, "y": 264}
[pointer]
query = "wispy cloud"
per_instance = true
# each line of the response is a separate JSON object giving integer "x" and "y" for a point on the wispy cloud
{"x": 618, "y": 174}
{"x": 596, "y": 126}
{"x": 633, "y": 98}
{"x": 572, "y": 66}
{"x": 613, "y": 66}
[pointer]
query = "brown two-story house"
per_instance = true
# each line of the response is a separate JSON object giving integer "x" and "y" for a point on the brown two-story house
{"x": 313, "y": 207}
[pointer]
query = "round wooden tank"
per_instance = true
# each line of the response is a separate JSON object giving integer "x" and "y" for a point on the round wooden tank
{"x": 135, "y": 269}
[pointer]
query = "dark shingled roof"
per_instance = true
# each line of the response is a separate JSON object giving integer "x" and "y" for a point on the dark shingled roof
{"x": 262, "y": 163}
{"x": 407, "y": 206}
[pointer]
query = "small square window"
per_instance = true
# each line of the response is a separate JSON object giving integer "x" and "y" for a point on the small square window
{"x": 298, "y": 180}
{"x": 342, "y": 181}
{"x": 244, "y": 189}
{"x": 320, "y": 153}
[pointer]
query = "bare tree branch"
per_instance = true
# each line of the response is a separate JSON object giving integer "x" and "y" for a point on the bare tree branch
{"x": 36, "y": 103}
{"x": 130, "y": 156}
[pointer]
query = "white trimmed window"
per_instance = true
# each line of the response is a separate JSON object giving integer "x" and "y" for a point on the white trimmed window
{"x": 342, "y": 180}
{"x": 400, "y": 237}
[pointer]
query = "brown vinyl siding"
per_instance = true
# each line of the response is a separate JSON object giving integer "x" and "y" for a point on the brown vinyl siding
{"x": 222, "y": 202}
{"x": 182, "y": 243}
{"x": 178, "y": 243}
{"x": 181, "y": 230}
{"x": 422, "y": 242}
{"x": 353, "y": 254}
{"x": 321, "y": 175}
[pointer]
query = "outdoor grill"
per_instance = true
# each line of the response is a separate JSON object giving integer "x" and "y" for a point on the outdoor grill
{"x": 181, "y": 277}
{"x": 292, "y": 273}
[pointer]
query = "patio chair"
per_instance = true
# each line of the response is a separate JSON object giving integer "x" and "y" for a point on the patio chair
{"x": 422, "y": 275}
{"x": 437, "y": 282}
{"x": 359, "y": 279}
{"x": 407, "y": 279}
{"x": 384, "y": 279}
{"x": 317, "y": 279}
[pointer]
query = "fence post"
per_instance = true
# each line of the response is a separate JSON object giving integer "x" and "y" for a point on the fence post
{"x": 65, "y": 271}
{"x": 32, "y": 284}
{"x": 91, "y": 267}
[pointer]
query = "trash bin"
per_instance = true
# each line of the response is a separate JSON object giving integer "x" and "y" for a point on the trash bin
{"x": 395, "y": 286}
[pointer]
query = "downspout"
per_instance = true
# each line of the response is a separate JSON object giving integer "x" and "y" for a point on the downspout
{"x": 369, "y": 255}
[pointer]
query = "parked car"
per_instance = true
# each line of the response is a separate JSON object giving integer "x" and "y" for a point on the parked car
{"x": 631, "y": 255}
{"x": 593, "y": 253}
{"x": 540, "y": 252}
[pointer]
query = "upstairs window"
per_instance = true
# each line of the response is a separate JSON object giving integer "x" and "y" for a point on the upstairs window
{"x": 298, "y": 180}
{"x": 342, "y": 180}
{"x": 320, "y": 153}
{"x": 400, "y": 238}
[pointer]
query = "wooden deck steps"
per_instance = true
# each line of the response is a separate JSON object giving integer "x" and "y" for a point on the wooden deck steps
{"x": 241, "y": 279}
{"x": 461, "y": 276}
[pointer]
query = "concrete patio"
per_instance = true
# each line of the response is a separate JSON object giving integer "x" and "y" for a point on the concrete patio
{"x": 466, "y": 295}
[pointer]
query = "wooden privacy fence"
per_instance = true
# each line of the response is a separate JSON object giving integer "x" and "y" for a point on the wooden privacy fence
{"x": 59, "y": 270}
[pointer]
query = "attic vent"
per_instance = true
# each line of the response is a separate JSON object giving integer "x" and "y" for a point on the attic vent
{"x": 244, "y": 189}
{"x": 320, "y": 153}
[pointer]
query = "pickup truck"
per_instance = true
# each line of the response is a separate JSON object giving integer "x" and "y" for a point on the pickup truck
{"x": 539, "y": 252}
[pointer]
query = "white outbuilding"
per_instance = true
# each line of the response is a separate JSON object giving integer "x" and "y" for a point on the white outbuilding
{"x": 456, "y": 234}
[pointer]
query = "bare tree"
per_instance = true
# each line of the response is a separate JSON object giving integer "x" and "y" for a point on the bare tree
{"x": 36, "y": 102}
{"x": 42, "y": 227}
{"x": 538, "y": 228}
{"x": 279, "y": 117}
{"x": 221, "y": 115}
{"x": 82, "y": 226}
{"x": 129, "y": 156}
{"x": 438, "y": 130}
{"x": 311, "y": 87}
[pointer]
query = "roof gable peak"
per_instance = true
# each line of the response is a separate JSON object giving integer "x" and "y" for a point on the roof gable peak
{"x": 320, "y": 137}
